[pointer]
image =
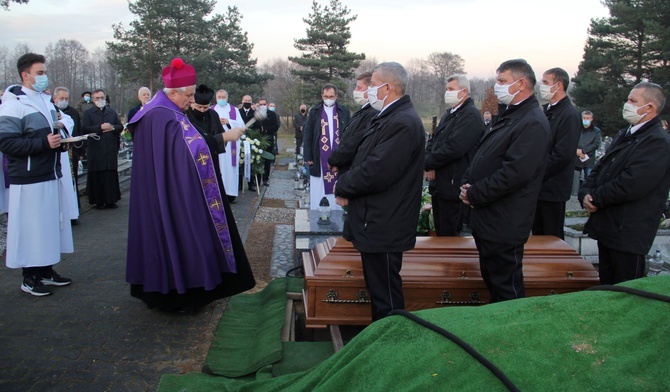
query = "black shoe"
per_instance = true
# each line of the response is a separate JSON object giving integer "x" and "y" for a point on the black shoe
{"x": 74, "y": 222}
{"x": 252, "y": 188}
{"x": 231, "y": 199}
{"x": 100, "y": 206}
{"x": 53, "y": 279}
{"x": 34, "y": 286}
{"x": 113, "y": 205}
{"x": 265, "y": 183}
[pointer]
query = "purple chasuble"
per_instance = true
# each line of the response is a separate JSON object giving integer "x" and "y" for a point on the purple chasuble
{"x": 327, "y": 146}
{"x": 178, "y": 236}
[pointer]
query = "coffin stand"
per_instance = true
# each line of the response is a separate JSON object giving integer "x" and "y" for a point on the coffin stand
{"x": 439, "y": 271}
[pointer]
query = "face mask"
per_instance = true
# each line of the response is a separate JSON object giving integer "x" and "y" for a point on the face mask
{"x": 222, "y": 102}
{"x": 41, "y": 83}
{"x": 502, "y": 93}
{"x": 375, "y": 102}
{"x": 586, "y": 123}
{"x": 451, "y": 98}
{"x": 101, "y": 103}
{"x": 630, "y": 113}
{"x": 545, "y": 92}
{"x": 62, "y": 104}
{"x": 302, "y": 111}
{"x": 87, "y": 99}
{"x": 272, "y": 109}
{"x": 329, "y": 102}
{"x": 359, "y": 97}
{"x": 246, "y": 105}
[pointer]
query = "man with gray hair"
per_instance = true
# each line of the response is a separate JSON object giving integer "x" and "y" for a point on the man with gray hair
{"x": 627, "y": 189}
{"x": 449, "y": 152}
{"x": 69, "y": 159}
{"x": 383, "y": 188}
{"x": 144, "y": 95}
{"x": 184, "y": 249}
{"x": 504, "y": 179}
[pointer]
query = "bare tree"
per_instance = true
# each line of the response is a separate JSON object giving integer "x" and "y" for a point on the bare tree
{"x": 443, "y": 65}
{"x": 284, "y": 89}
{"x": 67, "y": 64}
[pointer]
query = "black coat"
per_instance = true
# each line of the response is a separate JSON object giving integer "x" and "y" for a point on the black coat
{"x": 80, "y": 147}
{"x": 247, "y": 116}
{"x": 451, "y": 148}
{"x": 311, "y": 131}
{"x": 506, "y": 174}
{"x": 351, "y": 137}
{"x": 102, "y": 154}
{"x": 384, "y": 183}
{"x": 589, "y": 142}
{"x": 565, "y": 123}
{"x": 629, "y": 185}
{"x": 133, "y": 111}
{"x": 298, "y": 121}
{"x": 211, "y": 129}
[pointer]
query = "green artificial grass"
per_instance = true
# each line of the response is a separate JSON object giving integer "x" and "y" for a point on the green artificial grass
{"x": 248, "y": 336}
{"x": 294, "y": 285}
{"x": 586, "y": 341}
{"x": 301, "y": 356}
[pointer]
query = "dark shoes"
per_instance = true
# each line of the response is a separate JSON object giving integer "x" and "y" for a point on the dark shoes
{"x": 105, "y": 206}
{"x": 34, "y": 286}
{"x": 266, "y": 183}
{"x": 54, "y": 279}
{"x": 37, "y": 286}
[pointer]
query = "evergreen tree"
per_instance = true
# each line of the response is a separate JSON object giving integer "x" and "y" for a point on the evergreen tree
{"x": 622, "y": 50}
{"x": 325, "y": 57}
{"x": 5, "y": 3}
{"x": 165, "y": 29}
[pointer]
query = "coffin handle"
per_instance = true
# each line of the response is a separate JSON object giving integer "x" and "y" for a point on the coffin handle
{"x": 445, "y": 299}
{"x": 332, "y": 297}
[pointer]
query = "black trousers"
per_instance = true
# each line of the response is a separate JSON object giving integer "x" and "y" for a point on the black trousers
{"x": 298, "y": 143}
{"x": 448, "y": 215}
{"x": 615, "y": 266}
{"x": 501, "y": 267}
{"x": 549, "y": 218}
{"x": 37, "y": 271}
{"x": 382, "y": 279}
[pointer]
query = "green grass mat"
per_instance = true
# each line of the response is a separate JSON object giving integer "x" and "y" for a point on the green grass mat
{"x": 294, "y": 285}
{"x": 301, "y": 356}
{"x": 248, "y": 336}
{"x": 587, "y": 341}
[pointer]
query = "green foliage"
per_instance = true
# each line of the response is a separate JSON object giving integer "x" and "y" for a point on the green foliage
{"x": 630, "y": 46}
{"x": 325, "y": 58}
{"x": 217, "y": 47}
{"x": 259, "y": 144}
{"x": 5, "y": 3}
{"x": 426, "y": 220}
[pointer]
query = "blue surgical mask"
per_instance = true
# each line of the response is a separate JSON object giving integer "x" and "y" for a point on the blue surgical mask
{"x": 222, "y": 102}
{"x": 272, "y": 109}
{"x": 586, "y": 123}
{"x": 41, "y": 83}
{"x": 87, "y": 99}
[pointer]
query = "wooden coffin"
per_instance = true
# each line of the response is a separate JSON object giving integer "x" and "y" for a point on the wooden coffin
{"x": 439, "y": 271}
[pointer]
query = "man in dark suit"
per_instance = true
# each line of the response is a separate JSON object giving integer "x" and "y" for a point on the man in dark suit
{"x": 565, "y": 125}
{"x": 269, "y": 127}
{"x": 504, "y": 179}
{"x": 383, "y": 188}
{"x": 247, "y": 113}
{"x": 340, "y": 159}
{"x": 626, "y": 191}
{"x": 449, "y": 152}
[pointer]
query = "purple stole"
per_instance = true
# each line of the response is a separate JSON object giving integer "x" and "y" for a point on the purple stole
{"x": 210, "y": 187}
{"x": 327, "y": 146}
{"x": 233, "y": 144}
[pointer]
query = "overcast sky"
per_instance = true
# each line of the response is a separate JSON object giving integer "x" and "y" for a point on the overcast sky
{"x": 547, "y": 33}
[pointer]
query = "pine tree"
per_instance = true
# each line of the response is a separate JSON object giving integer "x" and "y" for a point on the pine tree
{"x": 325, "y": 57}
{"x": 181, "y": 28}
{"x": 5, "y": 3}
{"x": 622, "y": 50}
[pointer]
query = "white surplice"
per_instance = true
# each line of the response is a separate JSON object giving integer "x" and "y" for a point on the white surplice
{"x": 229, "y": 173}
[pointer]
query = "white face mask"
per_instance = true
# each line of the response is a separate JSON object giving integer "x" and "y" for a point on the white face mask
{"x": 359, "y": 97}
{"x": 62, "y": 104}
{"x": 630, "y": 113}
{"x": 101, "y": 103}
{"x": 329, "y": 102}
{"x": 545, "y": 92}
{"x": 502, "y": 93}
{"x": 451, "y": 98}
{"x": 376, "y": 103}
